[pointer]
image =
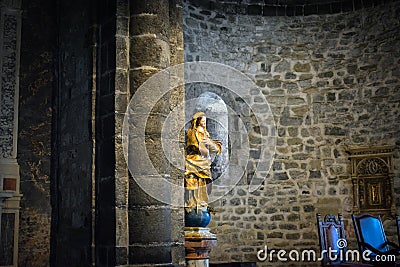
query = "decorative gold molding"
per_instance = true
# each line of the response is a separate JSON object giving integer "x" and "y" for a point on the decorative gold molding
{"x": 372, "y": 178}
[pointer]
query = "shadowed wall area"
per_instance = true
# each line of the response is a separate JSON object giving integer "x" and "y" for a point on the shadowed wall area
{"x": 77, "y": 78}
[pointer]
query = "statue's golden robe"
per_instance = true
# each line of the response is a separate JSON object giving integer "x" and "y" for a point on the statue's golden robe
{"x": 198, "y": 164}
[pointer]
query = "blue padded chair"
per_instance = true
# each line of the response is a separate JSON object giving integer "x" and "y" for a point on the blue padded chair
{"x": 332, "y": 237}
{"x": 398, "y": 227}
{"x": 371, "y": 236}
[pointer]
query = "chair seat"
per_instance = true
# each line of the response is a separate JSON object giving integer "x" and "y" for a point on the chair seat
{"x": 387, "y": 264}
{"x": 371, "y": 236}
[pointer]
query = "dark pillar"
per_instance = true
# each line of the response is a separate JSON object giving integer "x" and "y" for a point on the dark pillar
{"x": 73, "y": 139}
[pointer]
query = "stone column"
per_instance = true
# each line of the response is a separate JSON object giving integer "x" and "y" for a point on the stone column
{"x": 10, "y": 39}
{"x": 149, "y": 219}
{"x": 155, "y": 227}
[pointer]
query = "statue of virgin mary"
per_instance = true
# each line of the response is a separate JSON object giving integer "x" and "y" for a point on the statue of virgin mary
{"x": 198, "y": 162}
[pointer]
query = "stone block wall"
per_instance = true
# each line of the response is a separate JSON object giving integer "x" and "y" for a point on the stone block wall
{"x": 331, "y": 81}
{"x": 73, "y": 169}
{"x": 285, "y": 7}
{"x": 37, "y": 80}
{"x": 105, "y": 111}
{"x": 155, "y": 43}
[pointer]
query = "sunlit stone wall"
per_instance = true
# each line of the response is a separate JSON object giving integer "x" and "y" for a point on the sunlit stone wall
{"x": 331, "y": 81}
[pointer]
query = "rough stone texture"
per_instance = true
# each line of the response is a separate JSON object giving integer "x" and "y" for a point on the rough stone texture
{"x": 121, "y": 99}
{"x": 110, "y": 226}
{"x": 331, "y": 81}
{"x": 72, "y": 153}
{"x": 155, "y": 228}
{"x": 76, "y": 84}
{"x": 34, "y": 236}
{"x": 282, "y": 7}
{"x": 37, "y": 79}
{"x": 176, "y": 99}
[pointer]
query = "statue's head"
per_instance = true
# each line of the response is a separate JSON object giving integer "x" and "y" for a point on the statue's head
{"x": 199, "y": 119}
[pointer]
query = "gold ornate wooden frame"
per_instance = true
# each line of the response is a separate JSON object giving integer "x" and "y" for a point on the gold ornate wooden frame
{"x": 372, "y": 178}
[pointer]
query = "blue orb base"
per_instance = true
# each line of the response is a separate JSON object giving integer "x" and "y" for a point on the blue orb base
{"x": 197, "y": 218}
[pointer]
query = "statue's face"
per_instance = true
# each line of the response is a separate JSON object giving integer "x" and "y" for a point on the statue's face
{"x": 203, "y": 122}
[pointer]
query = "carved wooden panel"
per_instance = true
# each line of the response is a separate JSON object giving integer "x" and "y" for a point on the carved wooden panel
{"x": 372, "y": 177}
{"x": 10, "y": 40}
{"x": 9, "y": 65}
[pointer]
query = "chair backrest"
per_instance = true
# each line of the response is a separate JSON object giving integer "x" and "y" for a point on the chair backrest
{"x": 369, "y": 229}
{"x": 331, "y": 233}
{"x": 398, "y": 227}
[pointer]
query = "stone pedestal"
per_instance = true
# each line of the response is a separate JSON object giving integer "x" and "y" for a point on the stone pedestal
{"x": 9, "y": 211}
{"x": 198, "y": 244}
{"x": 4, "y": 195}
{"x": 197, "y": 263}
